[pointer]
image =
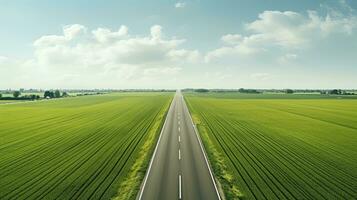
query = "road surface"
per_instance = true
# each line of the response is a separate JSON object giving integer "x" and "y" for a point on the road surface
{"x": 179, "y": 168}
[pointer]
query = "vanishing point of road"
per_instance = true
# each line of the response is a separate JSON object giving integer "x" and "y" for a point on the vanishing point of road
{"x": 179, "y": 167}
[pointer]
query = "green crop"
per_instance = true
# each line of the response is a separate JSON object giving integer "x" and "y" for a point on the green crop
{"x": 279, "y": 148}
{"x": 83, "y": 147}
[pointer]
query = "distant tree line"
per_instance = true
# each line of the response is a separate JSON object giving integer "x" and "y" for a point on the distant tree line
{"x": 49, "y": 94}
{"x": 201, "y": 90}
{"x": 93, "y": 93}
{"x": 16, "y": 95}
{"x": 286, "y": 91}
{"x": 337, "y": 92}
{"x": 289, "y": 91}
{"x": 249, "y": 91}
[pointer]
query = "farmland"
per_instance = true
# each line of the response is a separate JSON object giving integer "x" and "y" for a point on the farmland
{"x": 92, "y": 147}
{"x": 7, "y": 101}
{"x": 279, "y": 146}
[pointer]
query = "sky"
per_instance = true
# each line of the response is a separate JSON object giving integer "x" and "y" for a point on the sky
{"x": 178, "y": 44}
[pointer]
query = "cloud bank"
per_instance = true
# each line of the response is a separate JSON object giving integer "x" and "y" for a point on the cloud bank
{"x": 103, "y": 57}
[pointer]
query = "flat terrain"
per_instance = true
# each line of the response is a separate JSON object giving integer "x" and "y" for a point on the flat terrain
{"x": 85, "y": 147}
{"x": 179, "y": 169}
{"x": 287, "y": 147}
{"x": 7, "y": 101}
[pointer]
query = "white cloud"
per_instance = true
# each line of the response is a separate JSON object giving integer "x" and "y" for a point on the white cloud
{"x": 232, "y": 39}
{"x": 185, "y": 55}
{"x": 74, "y": 30}
{"x": 70, "y": 32}
{"x": 3, "y": 59}
{"x": 104, "y": 55}
{"x": 156, "y": 32}
{"x": 106, "y": 35}
{"x": 287, "y": 58}
{"x": 180, "y": 5}
{"x": 166, "y": 71}
{"x": 276, "y": 31}
{"x": 230, "y": 51}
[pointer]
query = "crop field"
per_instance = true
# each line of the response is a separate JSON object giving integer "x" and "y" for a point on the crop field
{"x": 291, "y": 147}
{"x": 7, "y": 101}
{"x": 92, "y": 147}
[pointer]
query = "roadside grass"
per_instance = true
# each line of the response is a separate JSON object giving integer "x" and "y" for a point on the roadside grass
{"x": 283, "y": 148}
{"x": 82, "y": 147}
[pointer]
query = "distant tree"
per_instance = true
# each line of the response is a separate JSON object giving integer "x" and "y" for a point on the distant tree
{"x": 201, "y": 90}
{"x": 16, "y": 94}
{"x": 335, "y": 91}
{"x": 252, "y": 91}
{"x": 0, "y": 95}
{"x": 48, "y": 94}
{"x": 289, "y": 91}
{"x": 33, "y": 96}
{"x": 57, "y": 94}
{"x": 65, "y": 94}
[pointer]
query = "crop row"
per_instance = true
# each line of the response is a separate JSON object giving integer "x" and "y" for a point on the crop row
{"x": 271, "y": 159}
{"x": 74, "y": 152}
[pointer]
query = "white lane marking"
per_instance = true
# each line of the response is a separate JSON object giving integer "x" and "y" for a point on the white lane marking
{"x": 179, "y": 129}
{"x": 179, "y": 154}
{"x": 204, "y": 154}
{"x": 180, "y": 192}
{"x": 179, "y": 122}
{"x": 153, "y": 156}
{"x": 179, "y": 139}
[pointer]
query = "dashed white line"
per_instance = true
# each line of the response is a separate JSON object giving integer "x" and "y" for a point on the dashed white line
{"x": 179, "y": 139}
{"x": 180, "y": 190}
{"x": 179, "y": 129}
{"x": 179, "y": 154}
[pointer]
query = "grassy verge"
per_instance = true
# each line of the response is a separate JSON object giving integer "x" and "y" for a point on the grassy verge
{"x": 131, "y": 185}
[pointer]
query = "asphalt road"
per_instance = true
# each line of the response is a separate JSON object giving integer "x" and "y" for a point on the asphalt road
{"x": 179, "y": 169}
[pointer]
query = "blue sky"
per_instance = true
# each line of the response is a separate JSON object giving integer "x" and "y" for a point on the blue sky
{"x": 176, "y": 44}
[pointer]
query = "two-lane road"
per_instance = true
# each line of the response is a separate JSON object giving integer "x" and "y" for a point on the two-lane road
{"x": 179, "y": 168}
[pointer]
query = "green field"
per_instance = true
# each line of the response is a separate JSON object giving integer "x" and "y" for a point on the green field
{"x": 8, "y": 101}
{"x": 266, "y": 147}
{"x": 92, "y": 147}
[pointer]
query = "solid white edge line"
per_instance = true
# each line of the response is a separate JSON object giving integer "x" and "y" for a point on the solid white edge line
{"x": 180, "y": 187}
{"x": 203, "y": 151}
{"x": 153, "y": 156}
